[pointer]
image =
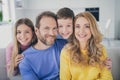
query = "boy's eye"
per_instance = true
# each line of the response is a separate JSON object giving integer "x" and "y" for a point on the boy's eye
{"x": 77, "y": 26}
{"x": 60, "y": 26}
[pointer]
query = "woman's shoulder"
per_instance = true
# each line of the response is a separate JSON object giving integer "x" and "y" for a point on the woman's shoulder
{"x": 104, "y": 52}
{"x": 66, "y": 49}
{"x": 102, "y": 47}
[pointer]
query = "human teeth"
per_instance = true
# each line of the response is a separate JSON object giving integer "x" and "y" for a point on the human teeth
{"x": 82, "y": 36}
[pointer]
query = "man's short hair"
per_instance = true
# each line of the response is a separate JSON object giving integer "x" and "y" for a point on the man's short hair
{"x": 45, "y": 14}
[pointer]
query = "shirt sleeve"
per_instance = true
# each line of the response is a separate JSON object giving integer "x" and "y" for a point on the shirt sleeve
{"x": 9, "y": 50}
{"x": 26, "y": 71}
{"x": 105, "y": 73}
{"x": 64, "y": 66}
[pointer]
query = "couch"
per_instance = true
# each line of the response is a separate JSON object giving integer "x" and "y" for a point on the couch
{"x": 113, "y": 53}
{"x": 3, "y": 74}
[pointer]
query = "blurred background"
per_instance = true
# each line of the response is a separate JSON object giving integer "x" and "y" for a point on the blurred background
{"x": 106, "y": 12}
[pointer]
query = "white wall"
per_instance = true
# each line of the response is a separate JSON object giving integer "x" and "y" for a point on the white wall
{"x": 6, "y": 33}
{"x": 31, "y": 8}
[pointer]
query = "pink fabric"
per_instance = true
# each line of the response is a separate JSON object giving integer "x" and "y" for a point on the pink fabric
{"x": 9, "y": 49}
{"x": 23, "y": 47}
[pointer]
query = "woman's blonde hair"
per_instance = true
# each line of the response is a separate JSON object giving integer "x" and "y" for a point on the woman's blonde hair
{"x": 17, "y": 45}
{"x": 94, "y": 47}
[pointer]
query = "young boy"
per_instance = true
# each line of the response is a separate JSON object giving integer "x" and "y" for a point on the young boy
{"x": 65, "y": 18}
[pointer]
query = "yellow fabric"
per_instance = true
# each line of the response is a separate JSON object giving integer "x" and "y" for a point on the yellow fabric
{"x": 70, "y": 71}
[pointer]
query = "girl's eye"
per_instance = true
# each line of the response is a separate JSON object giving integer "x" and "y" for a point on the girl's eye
{"x": 18, "y": 32}
{"x": 27, "y": 31}
{"x": 68, "y": 25}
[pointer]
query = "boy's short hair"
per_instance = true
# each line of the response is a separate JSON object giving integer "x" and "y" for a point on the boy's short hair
{"x": 65, "y": 13}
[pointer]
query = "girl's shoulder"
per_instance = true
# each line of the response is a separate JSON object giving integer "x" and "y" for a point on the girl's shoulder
{"x": 10, "y": 45}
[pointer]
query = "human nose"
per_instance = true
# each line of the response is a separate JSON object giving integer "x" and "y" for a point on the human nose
{"x": 81, "y": 29}
{"x": 52, "y": 32}
{"x": 22, "y": 35}
{"x": 64, "y": 29}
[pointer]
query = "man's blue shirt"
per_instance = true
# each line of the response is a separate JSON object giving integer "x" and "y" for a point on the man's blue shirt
{"x": 42, "y": 64}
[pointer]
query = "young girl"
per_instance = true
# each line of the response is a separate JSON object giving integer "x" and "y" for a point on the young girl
{"x": 24, "y": 36}
{"x": 83, "y": 58}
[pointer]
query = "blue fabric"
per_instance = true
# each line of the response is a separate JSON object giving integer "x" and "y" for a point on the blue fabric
{"x": 42, "y": 64}
{"x": 59, "y": 37}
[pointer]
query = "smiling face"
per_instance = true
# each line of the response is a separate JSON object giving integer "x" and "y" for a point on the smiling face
{"x": 24, "y": 35}
{"x": 82, "y": 30}
{"x": 65, "y": 27}
{"x": 47, "y": 31}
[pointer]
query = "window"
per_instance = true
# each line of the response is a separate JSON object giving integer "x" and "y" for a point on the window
{"x": 4, "y": 10}
{"x": 94, "y": 11}
{"x": 1, "y": 16}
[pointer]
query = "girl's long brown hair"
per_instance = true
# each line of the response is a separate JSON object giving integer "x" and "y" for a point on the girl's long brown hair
{"x": 17, "y": 45}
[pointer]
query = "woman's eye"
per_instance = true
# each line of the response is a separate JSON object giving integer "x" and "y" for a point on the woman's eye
{"x": 87, "y": 26}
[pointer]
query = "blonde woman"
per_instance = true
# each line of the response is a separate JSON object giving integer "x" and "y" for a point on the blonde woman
{"x": 83, "y": 58}
{"x": 65, "y": 19}
{"x": 24, "y": 37}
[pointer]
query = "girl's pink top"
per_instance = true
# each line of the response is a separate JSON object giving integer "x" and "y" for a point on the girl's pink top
{"x": 9, "y": 50}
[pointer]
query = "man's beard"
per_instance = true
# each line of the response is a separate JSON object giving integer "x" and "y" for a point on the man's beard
{"x": 44, "y": 40}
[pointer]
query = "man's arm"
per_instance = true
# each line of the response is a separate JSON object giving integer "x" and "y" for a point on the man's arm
{"x": 26, "y": 71}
